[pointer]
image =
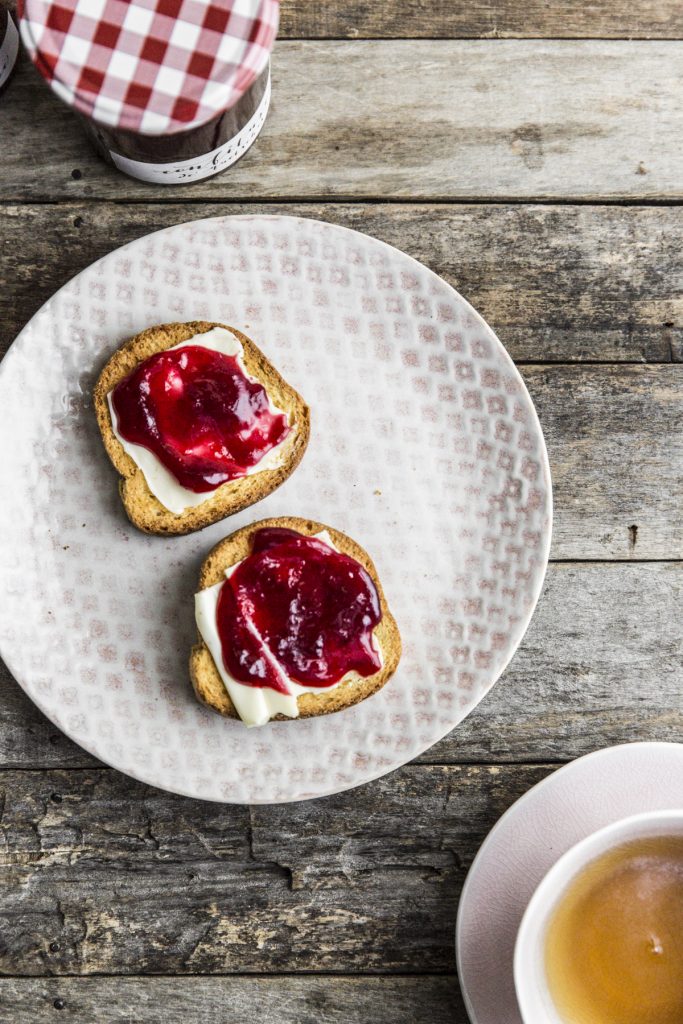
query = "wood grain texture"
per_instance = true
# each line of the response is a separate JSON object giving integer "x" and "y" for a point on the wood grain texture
{"x": 600, "y": 664}
{"x": 234, "y": 1000}
{"x": 496, "y": 19}
{"x": 615, "y": 441}
{"x": 399, "y": 19}
{"x": 557, "y": 283}
{"x": 102, "y": 875}
{"x": 409, "y": 119}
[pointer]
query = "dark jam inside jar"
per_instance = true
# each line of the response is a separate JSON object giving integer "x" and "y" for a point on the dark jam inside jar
{"x": 202, "y": 151}
{"x": 196, "y": 410}
{"x": 297, "y": 608}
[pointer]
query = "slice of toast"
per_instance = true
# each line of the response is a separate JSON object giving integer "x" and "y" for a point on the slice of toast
{"x": 144, "y": 510}
{"x": 208, "y": 685}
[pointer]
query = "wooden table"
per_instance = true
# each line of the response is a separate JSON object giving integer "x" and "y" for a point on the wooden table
{"x": 532, "y": 156}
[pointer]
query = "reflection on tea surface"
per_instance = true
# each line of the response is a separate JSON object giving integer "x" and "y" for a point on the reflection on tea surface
{"x": 614, "y": 944}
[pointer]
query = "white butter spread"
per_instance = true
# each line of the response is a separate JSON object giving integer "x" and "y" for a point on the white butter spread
{"x": 160, "y": 481}
{"x": 256, "y": 705}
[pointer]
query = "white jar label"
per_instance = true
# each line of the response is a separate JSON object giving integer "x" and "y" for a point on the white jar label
{"x": 9, "y": 48}
{"x": 200, "y": 166}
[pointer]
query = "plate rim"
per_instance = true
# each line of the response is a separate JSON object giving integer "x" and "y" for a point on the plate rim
{"x": 19, "y": 340}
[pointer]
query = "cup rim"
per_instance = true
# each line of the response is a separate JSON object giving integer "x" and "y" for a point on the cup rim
{"x": 549, "y": 881}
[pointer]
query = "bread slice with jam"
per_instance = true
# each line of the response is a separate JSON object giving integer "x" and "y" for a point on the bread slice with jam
{"x": 143, "y": 507}
{"x": 209, "y": 686}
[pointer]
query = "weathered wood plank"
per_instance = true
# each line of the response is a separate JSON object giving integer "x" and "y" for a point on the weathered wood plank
{"x": 558, "y": 283}
{"x": 410, "y": 119}
{"x": 599, "y": 665}
{"x": 234, "y": 1000}
{"x": 102, "y": 875}
{"x": 496, "y": 19}
{"x": 399, "y": 19}
{"x": 402, "y": 19}
{"x": 615, "y": 441}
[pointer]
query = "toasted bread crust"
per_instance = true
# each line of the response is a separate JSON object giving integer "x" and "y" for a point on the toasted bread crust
{"x": 206, "y": 680}
{"x": 143, "y": 509}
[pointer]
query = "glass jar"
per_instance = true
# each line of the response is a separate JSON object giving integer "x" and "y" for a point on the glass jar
{"x": 169, "y": 91}
{"x": 9, "y": 47}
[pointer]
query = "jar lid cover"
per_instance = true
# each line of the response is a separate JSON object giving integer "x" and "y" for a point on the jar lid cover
{"x": 149, "y": 66}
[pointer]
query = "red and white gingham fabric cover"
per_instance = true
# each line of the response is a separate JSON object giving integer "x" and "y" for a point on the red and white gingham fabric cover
{"x": 150, "y": 66}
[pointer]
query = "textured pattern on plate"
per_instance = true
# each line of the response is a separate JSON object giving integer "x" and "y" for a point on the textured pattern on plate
{"x": 425, "y": 447}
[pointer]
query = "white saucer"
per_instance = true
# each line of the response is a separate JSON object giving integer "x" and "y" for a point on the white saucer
{"x": 573, "y": 802}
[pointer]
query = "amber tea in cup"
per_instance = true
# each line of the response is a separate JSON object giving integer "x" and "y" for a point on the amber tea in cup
{"x": 613, "y": 950}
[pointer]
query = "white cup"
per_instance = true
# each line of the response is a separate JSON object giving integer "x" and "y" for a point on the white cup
{"x": 535, "y": 1002}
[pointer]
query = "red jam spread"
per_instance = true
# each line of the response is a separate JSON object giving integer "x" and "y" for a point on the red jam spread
{"x": 195, "y": 409}
{"x": 297, "y": 605}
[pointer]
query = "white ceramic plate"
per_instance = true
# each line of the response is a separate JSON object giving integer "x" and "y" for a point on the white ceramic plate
{"x": 425, "y": 447}
{"x": 532, "y": 835}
